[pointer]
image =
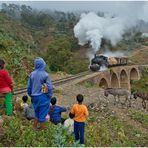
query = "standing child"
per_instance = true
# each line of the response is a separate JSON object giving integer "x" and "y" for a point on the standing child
{"x": 6, "y": 87}
{"x": 80, "y": 114}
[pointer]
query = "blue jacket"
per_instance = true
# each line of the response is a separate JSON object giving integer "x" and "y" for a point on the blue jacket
{"x": 37, "y": 78}
{"x": 55, "y": 113}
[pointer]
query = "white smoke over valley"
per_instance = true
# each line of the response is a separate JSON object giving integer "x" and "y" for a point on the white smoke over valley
{"x": 91, "y": 28}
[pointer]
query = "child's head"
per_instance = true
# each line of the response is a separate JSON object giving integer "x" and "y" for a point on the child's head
{"x": 53, "y": 100}
{"x": 25, "y": 98}
{"x": 71, "y": 116}
{"x": 2, "y": 63}
{"x": 80, "y": 98}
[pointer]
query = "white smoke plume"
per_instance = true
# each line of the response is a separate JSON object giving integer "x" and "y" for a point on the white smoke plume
{"x": 91, "y": 28}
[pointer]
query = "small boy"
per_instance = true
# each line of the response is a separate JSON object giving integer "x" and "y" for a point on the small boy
{"x": 55, "y": 112}
{"x": 28, "y": 109}
{"x": 80, "y": 114}
{"x": 69, "y": 123}
{"x": 29, "y": 112}
{"x": 24, "y": 104}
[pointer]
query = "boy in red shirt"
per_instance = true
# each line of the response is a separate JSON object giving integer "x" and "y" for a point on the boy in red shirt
{"x": 80, "y": 114}
{"x": 6, "y": 87}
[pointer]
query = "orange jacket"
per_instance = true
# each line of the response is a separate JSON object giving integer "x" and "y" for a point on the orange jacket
{"x": 80, "y": 111}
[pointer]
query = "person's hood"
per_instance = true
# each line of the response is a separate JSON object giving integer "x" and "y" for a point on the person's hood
{"x": 39, "y": 64}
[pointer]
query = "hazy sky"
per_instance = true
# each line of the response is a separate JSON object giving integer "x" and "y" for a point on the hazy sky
{"x": 110, "y": 6}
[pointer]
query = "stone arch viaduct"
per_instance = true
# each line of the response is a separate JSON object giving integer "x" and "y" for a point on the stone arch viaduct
{"x": 117, "y": 77}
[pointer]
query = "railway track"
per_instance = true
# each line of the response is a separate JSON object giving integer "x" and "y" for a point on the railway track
{"x": 55, "y": 82}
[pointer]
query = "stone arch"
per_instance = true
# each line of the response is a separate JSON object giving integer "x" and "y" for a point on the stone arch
{"x": 134, "y": 75}
{"x": 114, "y": 81}
{"x": 103, "y": 83}
{"x": 124, "y": 79}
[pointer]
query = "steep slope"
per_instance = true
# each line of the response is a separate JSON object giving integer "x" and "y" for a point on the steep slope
{"x": 17, "y": 48}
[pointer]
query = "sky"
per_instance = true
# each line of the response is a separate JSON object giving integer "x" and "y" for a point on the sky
{"x": 105, "y": 6}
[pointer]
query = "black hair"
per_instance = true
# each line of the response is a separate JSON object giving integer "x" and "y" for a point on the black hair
{"x": 71, "y": 115}
{"x": 2, "y": 63}
{"x": 80, "y": 98}
{"x": 53, "y": 100}
{"x": 25, "y": 98}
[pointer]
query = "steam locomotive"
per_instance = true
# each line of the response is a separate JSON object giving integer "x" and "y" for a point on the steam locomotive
{"x": 102, "y": 61}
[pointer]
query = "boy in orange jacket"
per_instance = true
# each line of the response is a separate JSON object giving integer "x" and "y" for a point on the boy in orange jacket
{"x": 80, "y": 112}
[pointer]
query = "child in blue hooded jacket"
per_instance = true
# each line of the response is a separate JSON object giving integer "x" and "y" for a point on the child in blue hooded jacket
{"x": 40, "y": 99}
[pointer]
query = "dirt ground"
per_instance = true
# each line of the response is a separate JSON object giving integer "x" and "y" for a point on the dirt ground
{"x": 93, "y": 96}
{"x": 67, "y": 96}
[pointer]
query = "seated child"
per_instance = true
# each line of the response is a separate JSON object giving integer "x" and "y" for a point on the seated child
{"x": 69, "y": 123}
{"x": 28, "y": 109}
{"x": 24, "y": 103}
{"x": 29, "y": 112}
{"x": 55, "y": 112}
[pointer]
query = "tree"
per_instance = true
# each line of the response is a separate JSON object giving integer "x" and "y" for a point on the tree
{"x": 58, "y": 54}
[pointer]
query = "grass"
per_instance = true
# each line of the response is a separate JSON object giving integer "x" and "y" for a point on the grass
{"x": 107, "y": 132}
{"x": 113, "y": 132}
{"x": 88, "y": 84}
{"x": 142, "y": 84}
{"x": 20, "y": 132}
{"x": 140, "y": 117}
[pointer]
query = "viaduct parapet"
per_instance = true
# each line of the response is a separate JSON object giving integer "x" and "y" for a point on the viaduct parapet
{"x": 117, "y": 77}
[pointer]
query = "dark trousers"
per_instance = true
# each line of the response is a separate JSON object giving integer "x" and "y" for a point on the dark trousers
{"x": 79, "y": 131}
{"x": 57, "y": 122}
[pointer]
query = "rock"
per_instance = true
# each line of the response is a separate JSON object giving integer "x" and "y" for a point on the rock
{"x": 137, "y": 135}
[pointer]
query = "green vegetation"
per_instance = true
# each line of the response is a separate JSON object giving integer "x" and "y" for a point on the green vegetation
{"x": 14, "y": 48}
{"x": 140, "y": 117}
{"x": 26, "y": 33}
{"x": 20, "y": 132}
{"x": 109, "y": 131}
{"x": 88, "y": 84}
{"x": 142, "y": 84}
{"x": 61, "y": 58}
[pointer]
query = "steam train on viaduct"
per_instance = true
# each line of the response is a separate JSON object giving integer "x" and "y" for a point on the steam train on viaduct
{"x": 102, "y": 61}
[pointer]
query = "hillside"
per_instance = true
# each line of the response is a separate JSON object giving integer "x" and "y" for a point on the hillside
{"x": 26, "y": 34}
{"x": 15, "y": 47}
{"x": 50, "y": 35}
{"x": 139, "y": 56}
{"x": 21, "y": 40}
